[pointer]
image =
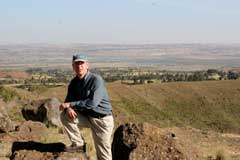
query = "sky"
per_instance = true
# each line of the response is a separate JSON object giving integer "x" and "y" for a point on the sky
{"x": 119, "y": 21}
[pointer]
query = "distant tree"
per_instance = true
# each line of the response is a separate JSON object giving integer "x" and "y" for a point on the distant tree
{"x": 34, "y": 70}
{"x": 180, "y": 77}
{"x": 190, "y": 77}
{"x": 199, "y": 76}
{"x": 212, "y": 71}
{"x": 233, "y": 75}
{"x": 222, "y": 74}
{"x": 169, "y": 77}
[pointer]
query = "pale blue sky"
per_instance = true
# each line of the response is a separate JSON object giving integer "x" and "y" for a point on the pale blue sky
{"x": 119, "y": 21}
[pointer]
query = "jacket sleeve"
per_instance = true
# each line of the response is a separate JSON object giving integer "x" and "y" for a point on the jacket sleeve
{"x": 95, "y": 97}
{"x": 68, "y": 98}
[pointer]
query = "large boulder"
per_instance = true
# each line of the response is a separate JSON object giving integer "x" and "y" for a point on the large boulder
{"x": 45, "y": 111}
{"x": 144, "y": 141}
{"x": 6, "y": 124}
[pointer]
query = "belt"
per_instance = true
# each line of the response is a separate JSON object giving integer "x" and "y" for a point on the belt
{"x": 98, "y": 115}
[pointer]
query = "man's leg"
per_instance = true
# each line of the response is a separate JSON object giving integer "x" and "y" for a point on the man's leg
{"x": 72, "y": 127}
{"x": 102, "y": 130}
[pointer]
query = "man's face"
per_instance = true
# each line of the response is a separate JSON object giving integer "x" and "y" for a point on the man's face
{"x": 80, "y": 68}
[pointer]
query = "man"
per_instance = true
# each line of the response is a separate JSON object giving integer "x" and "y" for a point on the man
{"x": 87, "y": 104}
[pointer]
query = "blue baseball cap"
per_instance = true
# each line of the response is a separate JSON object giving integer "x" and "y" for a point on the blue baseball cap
{"x": 79, "y": 57}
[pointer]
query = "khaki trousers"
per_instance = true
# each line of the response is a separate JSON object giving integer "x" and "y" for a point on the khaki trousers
{"x": 101, "y": 131}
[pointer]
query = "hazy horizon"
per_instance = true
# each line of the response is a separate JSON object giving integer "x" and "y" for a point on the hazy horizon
{"x": 119, "y": 22}
{"x": 164, "y": 56}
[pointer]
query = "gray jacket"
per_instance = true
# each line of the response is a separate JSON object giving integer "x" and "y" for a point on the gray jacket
{"x": 89, "y": 95}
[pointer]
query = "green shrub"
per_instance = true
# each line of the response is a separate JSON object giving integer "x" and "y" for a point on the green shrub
{"x": 33, "y": 88}
{"x": 7, "y": 94}
{"x": 37, "y": 88}
{"x": 220, "y": 155}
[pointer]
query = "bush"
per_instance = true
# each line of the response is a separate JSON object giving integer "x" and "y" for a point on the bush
{"x": 7, "y": 94}
{"x": 220, "y": 155}
{"x": 37, "y": 88}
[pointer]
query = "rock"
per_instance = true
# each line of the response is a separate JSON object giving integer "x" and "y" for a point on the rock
{"x": 36, "y": 150}
{"x": 27, "y": 145}
{"x": 6, "y": 124}
{"x": 5, "y": 150}
{"x": 30, "y": 155}
{"x": 124, "y": 140}
{"x": 45, "y": 111}
{"x": 30, "y": 131}
{"x": 25, "y": 132}
{"x": 144, "y": 141}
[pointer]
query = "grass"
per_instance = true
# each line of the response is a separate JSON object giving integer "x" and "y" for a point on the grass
{"x": 7, "y": 94}
{"x": 35, "y": 88}
{"x": 15, "y": 114}
{"x": 212, "y": 105}
{"x": 207, "y": 116}
{"x": 220, "y": 155}
{"x": 53, "y": 136}
{"x": 204, "y": 105}
{"x": 220, "y": 118}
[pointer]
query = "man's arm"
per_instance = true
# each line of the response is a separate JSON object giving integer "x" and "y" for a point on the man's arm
{"x": 66, "y": 105}
{"x": 68, "y": 98}
{"x": 69, "y": 95}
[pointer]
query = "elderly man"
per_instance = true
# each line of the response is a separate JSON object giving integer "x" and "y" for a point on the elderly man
{"x": 87, "y": 104}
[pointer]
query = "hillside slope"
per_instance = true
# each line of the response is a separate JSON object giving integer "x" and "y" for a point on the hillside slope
{"x": 195, "y": 112}
{"x": 204, "y": 105}
{"x": 211, "y": 105}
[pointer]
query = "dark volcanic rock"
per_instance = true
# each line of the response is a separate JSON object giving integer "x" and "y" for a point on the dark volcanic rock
{"x": 144, "y": 141}
{"x": 45, "y": 111}
{"x": 125, "y": 140}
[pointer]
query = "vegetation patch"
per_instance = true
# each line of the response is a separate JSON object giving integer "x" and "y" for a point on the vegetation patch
{"x": 15, "y": 114}
{"x": 218, "y": 110}
{"x": 34, "y": 88}
{"x": 7, "y": 94}
{"x": 203, "y": 116}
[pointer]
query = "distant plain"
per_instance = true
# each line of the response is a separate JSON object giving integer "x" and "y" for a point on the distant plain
{"x": 161, "y": 56}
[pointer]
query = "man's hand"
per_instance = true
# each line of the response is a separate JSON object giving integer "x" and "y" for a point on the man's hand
{"x": 63, "y": 106}
{"x": 70, "y": 112}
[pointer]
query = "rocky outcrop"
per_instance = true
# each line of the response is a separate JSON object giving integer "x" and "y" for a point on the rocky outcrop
{"x": 45, "y": 111}
{"x": 25, "y": 132}
{"x": 144, "y": 141}
{"x": 27, "y": 145}
{"x": 30, "y": 131}
{"x": 30, "y": 155}
{"x": 6, "y": 124}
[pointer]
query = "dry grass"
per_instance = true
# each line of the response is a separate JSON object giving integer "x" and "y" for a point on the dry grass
{"x": 205, "y": 105}
{"x": 212, "y": 107}
{"x": 55, "y": 135}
